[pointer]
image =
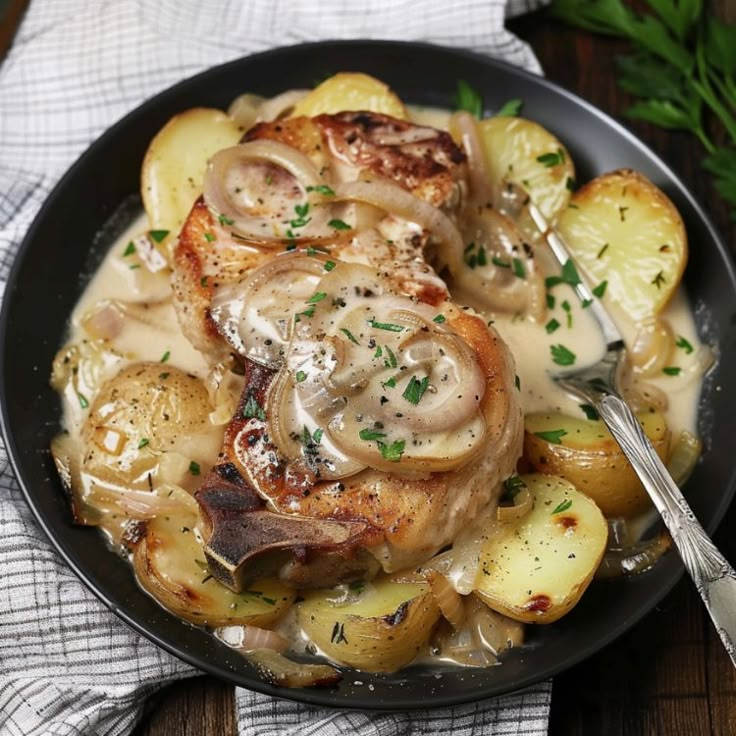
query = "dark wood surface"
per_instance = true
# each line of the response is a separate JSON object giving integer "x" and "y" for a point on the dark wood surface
{"x": 669, "y": 676}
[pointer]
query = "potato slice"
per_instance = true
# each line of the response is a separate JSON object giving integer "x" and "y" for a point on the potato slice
{"x": 350, "y": 91}
{"x": 169, "y": 564}
{"x": 585, "y": 453}
{"x": 174, "y": 165}
{"x": 380, "y": 629}
{"x": 537, "y": 567}
{"x": 527, "y": 154}
{"x": 622, "y": 229}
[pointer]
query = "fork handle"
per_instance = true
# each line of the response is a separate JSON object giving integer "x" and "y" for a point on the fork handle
{"x": 714, "y": 578}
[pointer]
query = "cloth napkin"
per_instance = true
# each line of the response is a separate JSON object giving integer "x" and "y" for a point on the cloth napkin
{"x": 67, "y": 664}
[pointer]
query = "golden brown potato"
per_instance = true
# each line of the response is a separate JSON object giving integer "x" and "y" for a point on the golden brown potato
{"x": 149, "y": 424}
{"x": 350, "y": 91}
{"x": 536, "y": 568}
{"x": 584, "y": 452}
{"x": 173, "y": 169}
{"x": 624, "y": 231}
{"x": 169, "y": 564}
{"x": 377, "y": 629}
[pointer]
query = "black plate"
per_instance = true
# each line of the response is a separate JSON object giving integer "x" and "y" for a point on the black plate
{"x": 64, "y": 243}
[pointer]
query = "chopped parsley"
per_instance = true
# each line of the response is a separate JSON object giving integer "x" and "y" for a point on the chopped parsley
{"x": 389, "y": 326}
{"x": 590, "y": 412}
{"x": 439, "y": 319}
{"x": 684, "y": 344}
{"x": 225, "y": 220}
{"x": 658, "y": 280}
{"x": 551, "y": 326}
{"x": 301, "y": 376}
{"x": 322, "y": 189}
{"x": 209, "y": 237}
{"x": 338, "y": 633}
{"x": 329, "y": 265}
{"x": 672, "y": 370}
{"x": 129, "y": 249}
{"x": 496, "y": 261}
{"x": 392, "y": 452}
{"x": 512, "y": 486}
{"x": 602, "y": 250}
{"x": 369, "y": 435}
{"x": 510, "y": 109}
{"x": 518, "y": 268}
{"x": 554, "y": 436}
{"x": 301, "y": 219}
{"x": 164, "y": 376}
{"x": 569, "y": 276}
{"x": 600, "y": 290}
{"x": 144, "y": 441}
{"x": 158, "y": 235}
{"x": 561, "y": 355}
{"x": 467, "y": 98}
{"x": 83, "y": 402}
{"x": 570, "y": 184}
{"x": 415, "y": 389}
{"x": 165, "y": 356}
{"x": 253, "y": 410}
{"x": 349, "y": 335}
{"x": 568, "y": 310}
{"x": 564, "y": 506}
{"x": 390, "y": 361}
{"x": 552, "y": 159}
{"x": 194, "y": 468}
{"x": 339, "y": 225}
{"x": 316, "y": 297}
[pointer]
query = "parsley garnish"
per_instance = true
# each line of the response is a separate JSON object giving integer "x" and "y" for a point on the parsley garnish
{"x": 570, "y": 184}
{"x": 415, "y": 389}
{"x": 369, "y": 435}
{"x": 600, "y": 290}
{"x": 338, "y": 633}
{"x": 329, "y": 265}
{"x": 389, "y": 326}
{"x": 349, "y": 335}
{"x": 517, "y": 382}
{"x": 301, "y": 376}
{"x": 392, "y": 452}
{"x": 552, "y": 159}
{"x": 554, "y": 436}
{"x": 568, "y": 310}
{"x": 158, "y": 235}
{"x": 322, "y": 189}
{"x": 672, "y": 370}
{"x": 518, "y": 267}
{"x": 569, "y": 276}
{"x": 339, "y": 225}
{"x": 194, "y": 468}
{"x": 602, "y": 251}
{"x": 83, "y": 402}
{"x": 129, "y": 249}
{"x": 590, "y": 412}
{"x": 134, "y": 266}
{"x": 225, "y": 220}
{"x": 253, "y": 410}
{"x": 510, "y": 109}
{"x": 391, "y": 361}
{"x": 301, "y": 220}
{"x": 164, "y": 376}
{"x": 564, "y": 506}
{"x": 439, "y": 319}
{"x": 684, "y": 344}
{"x": 468, "y": 99}
{"x": 165, "y": 356}
{"x": 561, "y": 355}
{"x": 144, "y": 441}
{"x": 513, "y": 485}
{"x": 316, "y": 297}
{"x": 496, "y": 261}
{"x": 209, "y": 237}
{"x": 658, "y": 280}
{"x": 551, "y": 326}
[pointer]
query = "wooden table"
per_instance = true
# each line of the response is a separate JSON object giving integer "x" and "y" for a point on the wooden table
{"x": 669, "y": 675}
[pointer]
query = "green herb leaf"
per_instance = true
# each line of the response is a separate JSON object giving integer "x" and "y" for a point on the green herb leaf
{"x": 165, "y": 356}
{"x": 684, "y": 344}
{"x": 569, "y": 276}
{"x": 389, "y": 326}
{"x": 510, "y": 109}
{"x": 392, "y": 452}
{"x": 439, "y": 318}
{"x": 329, "y": 265}
{"x": 551, "y": 326}
{"x": 554, "y": 436}
{"x": 209, "y": 237}
{"x": 322, "y": 189}
{"x": 300, "y": 376}
{"x": 564, "y": 506}
{"x": 672, "y": 370}
{"x": 158, "y": 235}
{"x": 129, "y": 249}
{"x": 316, "y": 297}
{"x": 415, "y": 389}
{"x": 369, "y": 435}
{"x": 518, "y": 267}
{"x": 600, "y": 290}
{"x": 225, "y": 220}
{"x": 83, "y": 401}
{"x": 552, "y": 159}
{"x": 253, "y": 410}
{"x": 194, "y": 468}
{"x": 391, "y": 361}
{"x": 590, "y": 412}
{"x": 468, "y": 99}
{"x": 345, "y": 331}
{"x": 561, "y": 355}
{"x": 339, "y": 225}
{"x": 144, "y": 441}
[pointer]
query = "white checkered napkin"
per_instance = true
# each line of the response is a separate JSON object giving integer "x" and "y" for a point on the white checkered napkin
{"x": 68, "y": 665}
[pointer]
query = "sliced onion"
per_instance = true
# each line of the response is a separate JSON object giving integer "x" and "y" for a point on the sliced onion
{"x": 684, "y": 457}
{"x": 392, "y": 198}
{"x": 463, "y": 125}
{"x": 652, "y": 347}
{"x": 248, "y": 638}
{"x": 632, "y": 559}
{"x": 268, "y": 229}
{"x": 283, "y": 672}
{"x": 244, "y": 109}
{"x": 104, "y": 322}
{"x": 281, "y": 105}
{"x": 224, "y": 389}
{"x": 523, "y": 504}
{"x": 166, "y": 499}
{"x": 450, "y": 602}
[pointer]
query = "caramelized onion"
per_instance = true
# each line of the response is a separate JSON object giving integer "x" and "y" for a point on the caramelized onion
{"x": 282, "y": 672}
{"x": 248, "y": 638}
{"x": 449, "y": 601}
{"x": 166, "y": 499}
{"x": 244, "y": 109}
{"x": 522, "y": 505}
{"x": 652, "y": 347}
{"x": 464, "y": 127}
{"x": 623, "y": 558}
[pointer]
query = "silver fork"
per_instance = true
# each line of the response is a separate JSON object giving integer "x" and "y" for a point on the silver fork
{"x": 598, "y": 384}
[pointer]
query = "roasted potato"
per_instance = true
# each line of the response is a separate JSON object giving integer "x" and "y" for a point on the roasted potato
{"x": 537, "y": 567}
{"x": 169, "y": 564}
{"x": 584, "y": 452}
{"x": 523, "y": 152}
{"x": 174, "y": 165}
{"x": 149, "y": 421}
{"x": 624, "y": 231}
{"x": 350, "y": 91}
{"x": 378, "y": 629}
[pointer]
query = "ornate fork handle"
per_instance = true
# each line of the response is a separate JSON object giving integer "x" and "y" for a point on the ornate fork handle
{"x": 714, "y": 578}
